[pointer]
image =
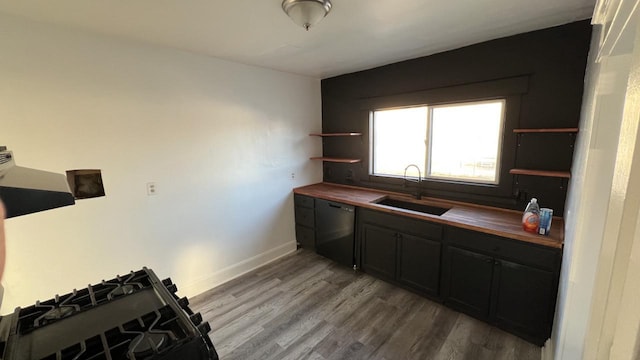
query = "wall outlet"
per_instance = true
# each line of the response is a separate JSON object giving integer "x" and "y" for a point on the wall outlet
{"x": 293, "y": 176}
{"x": 152, "y": 189}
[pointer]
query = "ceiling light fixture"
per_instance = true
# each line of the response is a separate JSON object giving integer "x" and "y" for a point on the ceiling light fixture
{"x": 306, "y": 13}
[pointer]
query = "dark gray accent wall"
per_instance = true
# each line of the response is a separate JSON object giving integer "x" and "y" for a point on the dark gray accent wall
{"x": 540, "y": 73}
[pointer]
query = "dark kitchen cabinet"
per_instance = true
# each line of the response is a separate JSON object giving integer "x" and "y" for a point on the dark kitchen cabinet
{"x": 525, "y": 299}
{"x": 505, "y": 282}
{"x": 419, "y": 263}
{"x": 469, "y": 281}
{"x": 378, "y": 251}
{"x": 508, "y": 283}
{"x": 404, "y": 251}
{"x": 305, "y": 221}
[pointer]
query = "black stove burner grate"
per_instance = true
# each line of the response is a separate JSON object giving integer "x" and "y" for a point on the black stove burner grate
{"x": 43, "y": 313}
{"x": 132, "y": 317}
{"x": 153, "y": 334}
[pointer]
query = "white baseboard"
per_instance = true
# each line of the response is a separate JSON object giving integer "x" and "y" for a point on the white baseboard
{"x": 231, "y": 272}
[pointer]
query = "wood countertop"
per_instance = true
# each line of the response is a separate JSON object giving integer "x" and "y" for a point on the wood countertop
{"x": 486, "y": 219}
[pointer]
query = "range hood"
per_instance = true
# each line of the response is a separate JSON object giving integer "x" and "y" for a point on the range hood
{"x": 25, "y": 191}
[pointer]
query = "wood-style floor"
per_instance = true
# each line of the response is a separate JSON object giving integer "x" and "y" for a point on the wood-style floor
{"x": 304, "y": 306}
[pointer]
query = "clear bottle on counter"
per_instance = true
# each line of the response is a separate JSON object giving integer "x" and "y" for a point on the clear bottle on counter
{"x": 531, "y": 216}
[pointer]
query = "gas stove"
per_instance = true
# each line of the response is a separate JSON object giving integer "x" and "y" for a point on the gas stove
{"x": 130, "y": 317}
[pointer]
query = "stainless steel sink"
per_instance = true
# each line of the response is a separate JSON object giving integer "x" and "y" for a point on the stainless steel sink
{"x": 423, "y": 208}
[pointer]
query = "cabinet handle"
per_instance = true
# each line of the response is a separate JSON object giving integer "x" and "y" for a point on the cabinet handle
{"x": 488, "y": 261}
{"x": 497, "y": 263}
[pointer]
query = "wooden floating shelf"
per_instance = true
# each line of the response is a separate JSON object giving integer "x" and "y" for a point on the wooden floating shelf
{"x": 558, "y": 174}
{"x": 336, "y": 134}
{"x": 556, "y": 130}
{"x": 336, "y": 160}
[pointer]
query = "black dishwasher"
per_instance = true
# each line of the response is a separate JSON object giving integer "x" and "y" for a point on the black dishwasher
{"x": 335, "y": 223}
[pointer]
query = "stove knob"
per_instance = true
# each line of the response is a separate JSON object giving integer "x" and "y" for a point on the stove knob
{"x": 196, "y": 318}
{"x": 183, "y": 302}
{"x": 204, "y": 328}
{"x": 166, "y": 282}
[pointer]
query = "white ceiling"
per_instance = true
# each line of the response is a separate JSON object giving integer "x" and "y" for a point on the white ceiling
{"x": 356, "y": 35}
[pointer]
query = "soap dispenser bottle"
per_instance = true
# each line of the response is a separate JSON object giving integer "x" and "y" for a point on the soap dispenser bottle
{"x": 531, "y": 216}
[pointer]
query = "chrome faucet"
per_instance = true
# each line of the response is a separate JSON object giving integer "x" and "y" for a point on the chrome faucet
{"x": 419, "y": 182}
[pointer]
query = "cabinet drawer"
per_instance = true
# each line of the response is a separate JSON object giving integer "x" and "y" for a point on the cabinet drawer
{"x": 306, "y": 237}
{"x": 407, "y": 225}
{"x": 303, "y": 201}
{"x": 305, "y": 216}
{"x": 504, "y": 248}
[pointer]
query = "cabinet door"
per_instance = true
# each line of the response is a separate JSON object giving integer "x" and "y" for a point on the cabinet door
{"x": 306, "y": 237}
{"x": 305, "y": 216}
{"x": 525, "y": 300}
{"x": 303, "y": 201}
{"x": 469, "y": 279}
{"x": 379, "y": 251}
{"x": 419, "y": 263}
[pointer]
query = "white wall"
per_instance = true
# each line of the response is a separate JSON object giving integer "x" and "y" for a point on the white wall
{"x": 586, "y": 203}
{"x": 588, "y": 200}
{"x": 220, "y": 140}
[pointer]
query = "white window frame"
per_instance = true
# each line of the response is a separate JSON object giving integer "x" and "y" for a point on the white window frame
{"x": 426, "y": 168}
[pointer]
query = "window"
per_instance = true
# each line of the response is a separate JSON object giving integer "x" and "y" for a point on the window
{"x": 451, "y": 142}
